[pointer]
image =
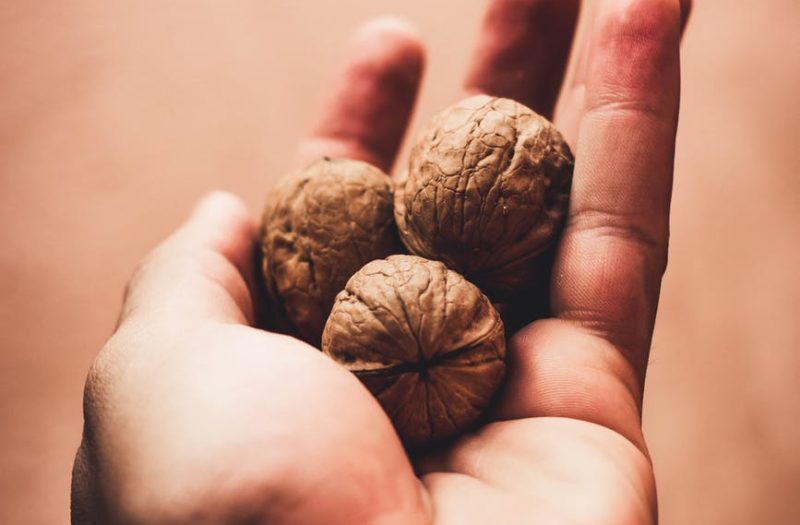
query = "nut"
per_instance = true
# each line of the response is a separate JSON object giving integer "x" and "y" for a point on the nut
{"x": 424, "y": 340}
{"x": 487, "y": 192}
{"x": 320, "y": 225}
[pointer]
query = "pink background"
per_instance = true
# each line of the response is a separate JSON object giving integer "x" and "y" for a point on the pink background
{"x": 116, "y": 116}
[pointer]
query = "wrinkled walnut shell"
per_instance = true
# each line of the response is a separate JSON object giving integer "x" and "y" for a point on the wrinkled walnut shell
{"x": 425, "y": 341}
{"x": 320, "y": 225}
{"x": 486, "y": 193}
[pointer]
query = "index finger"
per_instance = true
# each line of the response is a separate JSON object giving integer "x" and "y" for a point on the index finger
{"x": 614, "y": 247}
{"x": 589, "y": 363}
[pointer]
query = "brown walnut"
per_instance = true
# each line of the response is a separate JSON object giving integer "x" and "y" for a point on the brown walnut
{"x": 320, "y": 225}
{"x": 425, "y": 341}
{"x": 487, "y": 192}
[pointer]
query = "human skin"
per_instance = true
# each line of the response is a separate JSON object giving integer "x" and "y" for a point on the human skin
{"x": 195, "y": 415}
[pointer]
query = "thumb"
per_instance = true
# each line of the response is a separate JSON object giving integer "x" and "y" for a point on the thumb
{"x": 203, "y": 271}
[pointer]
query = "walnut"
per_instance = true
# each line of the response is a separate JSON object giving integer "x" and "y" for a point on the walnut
{"x": 487, "y": 192}
{"x": 425, "y": 341}
{"x": 320, "y": 225}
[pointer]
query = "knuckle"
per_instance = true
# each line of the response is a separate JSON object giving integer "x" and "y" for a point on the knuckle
{"x": 99, "y": 380}
{"x": 628, "y": 228}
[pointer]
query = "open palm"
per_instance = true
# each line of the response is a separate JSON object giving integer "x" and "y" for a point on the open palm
{"x": 195, "y": 416}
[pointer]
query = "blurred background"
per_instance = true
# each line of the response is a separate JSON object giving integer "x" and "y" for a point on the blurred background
{"x": 115, "y": 117}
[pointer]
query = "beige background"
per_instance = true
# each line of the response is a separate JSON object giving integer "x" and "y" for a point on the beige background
{"x": 116, "y": 116}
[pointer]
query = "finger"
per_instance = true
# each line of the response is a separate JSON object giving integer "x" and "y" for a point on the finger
{"x": 367, "y": 113}
{"x": 614, "y": 247}
{"x": 572, "y": 100}
{"x": 202, "y": 271}
{"x": 589, "y": 363}
{"x": 522, "y": 51}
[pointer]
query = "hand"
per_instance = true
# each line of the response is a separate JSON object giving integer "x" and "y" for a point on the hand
{"x": 192, "y": 415}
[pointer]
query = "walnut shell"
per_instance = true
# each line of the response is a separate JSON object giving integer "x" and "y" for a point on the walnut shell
{"x": 319, "y": 226}
{"x": 425, "y": 341}
{"x": 487, "y": 192}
